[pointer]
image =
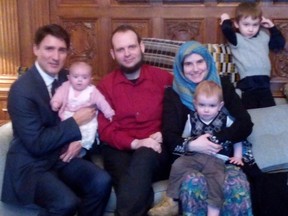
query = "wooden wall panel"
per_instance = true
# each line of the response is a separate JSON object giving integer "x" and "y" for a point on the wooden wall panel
{"x": 184, "y": 29}
{"x": 32, "y": 14}
{"x": 79, "y": 2}
{"x": 280, "y": 61}
{"x": 142, "y": 26}
{"x": 9, "y": 51}
{"x": 18, "y": 21}
{"x": 84, "y": 40}
{"x": 182, "y": 20}
{"x": 9, "y": 38}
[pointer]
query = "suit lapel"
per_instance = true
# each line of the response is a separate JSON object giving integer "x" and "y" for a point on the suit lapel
{"x": 40, "y": 84}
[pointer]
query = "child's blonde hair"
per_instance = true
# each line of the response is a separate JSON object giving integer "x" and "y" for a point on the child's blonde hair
{"x": 248, "y": 9}
{"x": 208, "y": 88}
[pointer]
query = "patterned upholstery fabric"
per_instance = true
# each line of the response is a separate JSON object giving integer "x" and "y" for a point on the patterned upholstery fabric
{"x": 223, "y": 59}
{"x": 161, "y": 53}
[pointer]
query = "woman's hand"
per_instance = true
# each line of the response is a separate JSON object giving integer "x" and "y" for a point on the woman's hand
{"x": 203, "y": 145}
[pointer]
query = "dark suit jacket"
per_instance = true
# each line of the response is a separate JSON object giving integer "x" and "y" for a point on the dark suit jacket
{"x": 38, "y": 136}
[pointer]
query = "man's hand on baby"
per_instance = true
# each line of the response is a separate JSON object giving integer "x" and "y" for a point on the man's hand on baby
{"x": 84, "y": 115}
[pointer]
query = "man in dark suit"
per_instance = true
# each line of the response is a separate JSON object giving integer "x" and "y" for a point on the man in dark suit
{"x": 42, "y": 165}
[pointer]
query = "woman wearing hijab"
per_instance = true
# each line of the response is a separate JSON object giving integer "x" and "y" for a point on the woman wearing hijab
{"x": 193, "y": 64}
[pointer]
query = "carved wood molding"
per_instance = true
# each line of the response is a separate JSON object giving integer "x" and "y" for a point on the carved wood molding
{"x": 83, "y": 40}
{"x": 141, "y": 26}
{"x": 80, "y": 2}
{"x": 134, "y": 1}
{"x": 280, "y": 60}
{"x": 182, "y": 30}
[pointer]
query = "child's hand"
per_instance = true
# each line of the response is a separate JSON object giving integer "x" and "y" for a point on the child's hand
{"x": 109, "y": 115}
{"x": 55, "y": 109}
{"x": 266, "y": 23}
{"x": 236, "y": 161}
{"x": 223, "y": 17}
{"x": 55, "y": 106}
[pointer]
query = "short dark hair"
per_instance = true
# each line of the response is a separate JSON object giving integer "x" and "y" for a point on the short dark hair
{"x": 125, "y": 28}
{"x": 54, "y": 30}
{"x": 246, "y": 9}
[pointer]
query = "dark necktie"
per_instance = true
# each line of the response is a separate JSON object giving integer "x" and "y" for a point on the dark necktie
{"x": 55, "y": 85}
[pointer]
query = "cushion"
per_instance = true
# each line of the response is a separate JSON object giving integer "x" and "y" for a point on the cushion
{"x": 270, "y": 138}
{"x": 8, "y": 209}
{"x": 285, "y": 90}
{"x": 161, "y": 53}
{"x": 223, "y": 59}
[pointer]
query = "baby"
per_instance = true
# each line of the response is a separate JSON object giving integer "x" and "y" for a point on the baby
{"x": 209, "y": 117}
{"x": 76, "y": 93}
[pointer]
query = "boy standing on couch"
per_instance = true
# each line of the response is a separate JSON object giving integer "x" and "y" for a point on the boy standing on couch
{"x": 250, "y": 49}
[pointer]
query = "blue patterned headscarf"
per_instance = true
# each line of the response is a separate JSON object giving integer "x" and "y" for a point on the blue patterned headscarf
{"x": 184, "y": 87}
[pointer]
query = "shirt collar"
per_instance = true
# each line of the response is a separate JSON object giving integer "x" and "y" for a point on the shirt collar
{"x": 120, "y": 77}
{"x": 47, "y": 78}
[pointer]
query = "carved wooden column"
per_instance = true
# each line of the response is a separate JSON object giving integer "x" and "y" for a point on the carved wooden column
{"x": 18, "y": 21}
{"x": 9, "y": 41}
{"x": 31, "y": 15}
{"x": 9, "y": 51}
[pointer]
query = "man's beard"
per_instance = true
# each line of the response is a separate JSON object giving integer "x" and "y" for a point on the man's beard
{"x": 136, "y": 67}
